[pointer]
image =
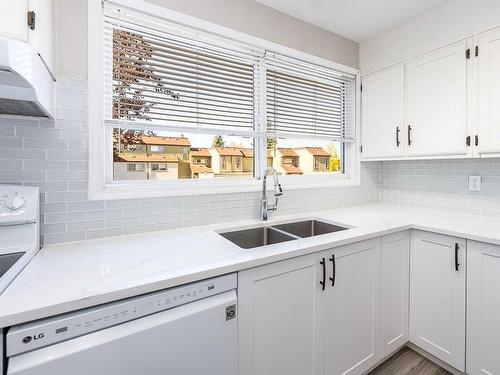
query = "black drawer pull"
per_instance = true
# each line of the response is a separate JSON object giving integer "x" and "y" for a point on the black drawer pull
{"x": 323, "y": 281}
{"x": 334, "y": 271}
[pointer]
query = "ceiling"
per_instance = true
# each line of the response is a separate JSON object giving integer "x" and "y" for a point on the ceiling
{"x": 357, "y": 20}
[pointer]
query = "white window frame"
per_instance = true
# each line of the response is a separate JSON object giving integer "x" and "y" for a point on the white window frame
{"x": 99, "y": 189}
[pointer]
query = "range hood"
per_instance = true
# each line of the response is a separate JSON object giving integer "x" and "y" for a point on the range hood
{"x": 26, "y": 83}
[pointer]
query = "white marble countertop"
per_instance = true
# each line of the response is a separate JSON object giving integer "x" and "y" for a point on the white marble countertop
{"x": 75, "y": 275}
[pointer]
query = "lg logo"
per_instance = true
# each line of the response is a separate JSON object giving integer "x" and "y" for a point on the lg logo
{"x": 28, "y": 339}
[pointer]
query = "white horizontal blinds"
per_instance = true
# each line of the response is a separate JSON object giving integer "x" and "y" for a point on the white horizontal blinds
{"x": 308, "y": 100}
{"x": 158, "y": 79}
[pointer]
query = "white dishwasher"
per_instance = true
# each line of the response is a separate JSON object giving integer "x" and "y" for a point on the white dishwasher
{"x": 188, "y": 330}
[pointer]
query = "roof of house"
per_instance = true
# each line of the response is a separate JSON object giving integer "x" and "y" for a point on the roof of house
{"x": 316, "y": 151}
{"x": 291, "y": 169}
{"x": 233, "y": 151}
{"x": 143, "y": 158}
{"x": 287, "y": 152}
{"x": 229, "y": 151}
{"x": 152, "y": 140}
{"x": 165, "y": 141}
{"x": 247, "y": 152}
{"x": 200, "y": 152}
{"x": 201, "y": 169}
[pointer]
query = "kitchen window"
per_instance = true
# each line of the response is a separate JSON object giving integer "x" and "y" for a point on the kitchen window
{"x": 173, "y": 94}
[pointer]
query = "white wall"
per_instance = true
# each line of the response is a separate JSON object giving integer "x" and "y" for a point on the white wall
{"x": 71, "y": 38}
{"x": 455, "y": 21}
{"x": 246, "y": 16}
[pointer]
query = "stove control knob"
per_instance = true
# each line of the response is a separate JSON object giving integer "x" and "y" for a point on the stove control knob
{"x": 16, "y": 202}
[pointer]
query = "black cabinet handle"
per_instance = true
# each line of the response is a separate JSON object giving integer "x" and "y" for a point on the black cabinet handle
{"x": 409, "y": 135}
{"x": 476, "y": 140}
{"x": 323, "y": 281}
{"x": 332, "y": 279}
{"x": 456, "y": 257}
{"x": 397, "y": 136}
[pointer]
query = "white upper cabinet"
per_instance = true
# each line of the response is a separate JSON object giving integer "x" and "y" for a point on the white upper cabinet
{"x": 13, "y": 19}
{"x": 352, "y": 318}
{"x": 483, "y": 308}
{"x": 42, "y": 37}
{"x": 437, "y": 296}
{"x": 488, "y": 91}
{"x": 383, "y": 114}
{"x": 14, "y": 25}
{"x": 436, "y": 103}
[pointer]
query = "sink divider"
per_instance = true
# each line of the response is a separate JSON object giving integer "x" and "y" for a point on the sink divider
{"x": 284, "y": 232}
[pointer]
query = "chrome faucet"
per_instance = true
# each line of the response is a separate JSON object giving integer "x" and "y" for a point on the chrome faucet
{"x": 264, "y": 205}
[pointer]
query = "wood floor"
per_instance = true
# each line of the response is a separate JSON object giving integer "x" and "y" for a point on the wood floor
{"x": 408, "y": 362}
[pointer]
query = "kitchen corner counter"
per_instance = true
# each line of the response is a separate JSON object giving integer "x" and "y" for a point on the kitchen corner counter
{"x": 76, "y": 275}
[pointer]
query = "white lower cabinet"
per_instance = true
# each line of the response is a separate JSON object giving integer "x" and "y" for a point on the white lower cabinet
{"x": 352, "y": 309}
{"x": 280, "y": 319}
{"x": 394, "y": 292}
{"x": 289, "y": 323}
{"x": 483, "y": 308}
{"x": 437, "y": 296}
{"x": 341, "y": 311}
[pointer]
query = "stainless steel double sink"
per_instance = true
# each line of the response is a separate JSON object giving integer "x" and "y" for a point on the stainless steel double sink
{"x": 262, "y": 236}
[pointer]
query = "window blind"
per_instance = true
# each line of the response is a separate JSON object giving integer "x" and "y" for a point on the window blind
{"x": 159, "y": 79}
{"x": 308, "y": 100}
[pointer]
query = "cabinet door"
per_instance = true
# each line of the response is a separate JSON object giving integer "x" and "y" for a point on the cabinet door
{"x": 352, "y": 309}
{"x": 394, "y": 292}
{"x": 488, "y": 72}
{"x": 42, "y": 38}
{"x": 437, "y": 296}
{"x": 13, "y": 19}
{"x": 280, "y": 318}
{"x": 483, "y": 308}
{"x": 383, "y": 122}
{"x": 436, "y": 103}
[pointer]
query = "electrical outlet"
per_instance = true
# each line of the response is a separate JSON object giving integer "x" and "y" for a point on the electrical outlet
{"x": 475, "y": 183}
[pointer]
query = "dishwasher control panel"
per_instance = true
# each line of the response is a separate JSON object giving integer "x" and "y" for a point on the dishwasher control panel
{"x": 44, "y": 332}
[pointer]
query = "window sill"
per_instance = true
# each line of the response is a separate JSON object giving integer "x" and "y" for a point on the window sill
{"x": 138, "y": 190}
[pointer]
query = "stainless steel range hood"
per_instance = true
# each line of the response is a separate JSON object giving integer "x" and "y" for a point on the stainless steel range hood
{"x": 26, "y": 83}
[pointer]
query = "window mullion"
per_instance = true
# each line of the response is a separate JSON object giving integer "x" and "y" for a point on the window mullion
{"x": 260, "y": 160}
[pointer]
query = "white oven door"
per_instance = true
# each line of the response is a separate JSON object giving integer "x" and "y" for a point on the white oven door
{"x": 192, "y": 339}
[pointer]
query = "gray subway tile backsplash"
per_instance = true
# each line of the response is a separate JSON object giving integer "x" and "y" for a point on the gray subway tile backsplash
{"x": 52, "y": 154}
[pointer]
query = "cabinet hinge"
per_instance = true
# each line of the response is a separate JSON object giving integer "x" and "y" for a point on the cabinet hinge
{"x": 467, "y": 140}
{"x": 476, "y": 51}
{"x": 31, "y": 20}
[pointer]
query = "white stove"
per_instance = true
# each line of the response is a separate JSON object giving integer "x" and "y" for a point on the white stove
{"x": 19, "y": 230}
